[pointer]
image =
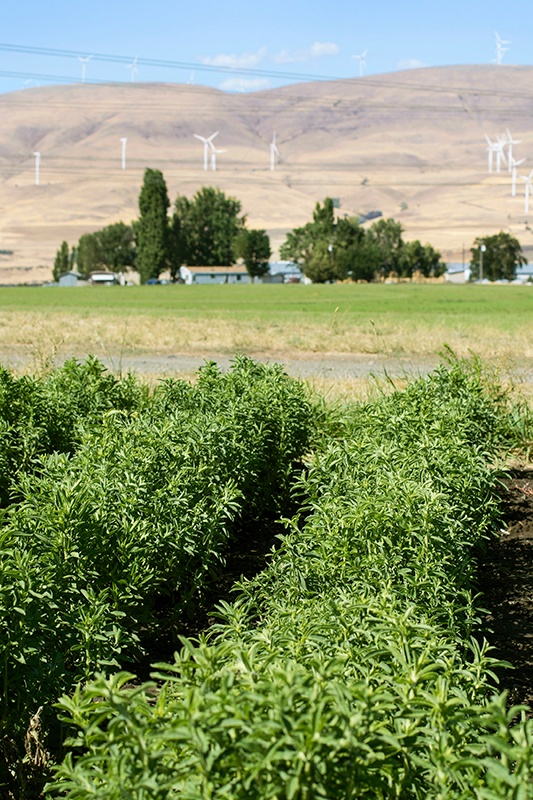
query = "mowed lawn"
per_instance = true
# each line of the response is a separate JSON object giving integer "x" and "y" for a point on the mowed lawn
{"x": 397, "y": 319}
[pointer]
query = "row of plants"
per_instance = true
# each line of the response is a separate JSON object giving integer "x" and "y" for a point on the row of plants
{"x": 353, "y": 666}
{"x": 120, "y": 515}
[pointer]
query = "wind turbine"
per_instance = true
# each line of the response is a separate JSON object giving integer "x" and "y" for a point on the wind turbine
{"x": 510, "y": 143}
{"x": 500, "y": 145}
{"x": 123, "y": 142}
{"x": 514, "y": 164}
{"x": 362, "y": 62}
{"x": 273, "y": 153}
{"x": 208, "y": 143}
{"x": 500, "y": 49}
{"x": 133, "y": 68}
{"x": 491, "y": 149}
{"x": 37, "y": 167}
{"x": 528, "y": 179}
{"x": 84, "y": 61}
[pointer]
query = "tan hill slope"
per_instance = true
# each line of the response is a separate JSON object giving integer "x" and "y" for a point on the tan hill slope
{"x": 409, "y": 144}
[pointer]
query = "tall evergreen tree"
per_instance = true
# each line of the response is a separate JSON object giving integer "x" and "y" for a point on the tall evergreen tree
{"x": 152, "y": 227}
{"x": 62, "y": 261}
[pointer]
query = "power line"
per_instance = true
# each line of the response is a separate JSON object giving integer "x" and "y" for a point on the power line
{"x": 369, "y": 81}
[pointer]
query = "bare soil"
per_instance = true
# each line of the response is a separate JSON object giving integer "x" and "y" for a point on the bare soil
{"x": 506, "y": 582}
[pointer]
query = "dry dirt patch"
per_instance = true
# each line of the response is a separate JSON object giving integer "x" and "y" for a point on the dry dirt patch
{"x": 506, "y": 581}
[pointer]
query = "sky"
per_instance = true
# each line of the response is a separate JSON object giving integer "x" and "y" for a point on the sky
{"x": 248, "y": 46}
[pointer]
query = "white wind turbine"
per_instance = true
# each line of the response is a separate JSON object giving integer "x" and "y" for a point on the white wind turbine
{"x": 208, "y": 143}
{"x": 273, "y": 153}
{"x": 84, "y": 61}
{"x": 514, "y": 164}
{"x": 500, "y": 154}
{"x": 133, "y": 68}
{"x": 500, "y": 49}
{"x": 37, "y": 167}
{"x": 362, "y": 62}
{"x": 123, "y": 142}
{"x": 491, "y": 149}
{"x": 528, "y": 179}
{"x": 510, "y": 143}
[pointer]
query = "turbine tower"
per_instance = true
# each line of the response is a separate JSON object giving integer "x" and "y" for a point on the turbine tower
{"x": 528, "y": 179}
{"x": 491, "y": 149}
{"x": 273, "y": 153}
{"x": 510, "y": 143}
{"x": 123, "y": 141}
{"x": 133, "y": 68}
{"x": 499, "y": 150}
{"x": 500, "y": 49}
{"x": 514, "y": 164}
{"x": 214, "y": 153}
{"x": 84, "y": 61}
{"x": 208, "y": 143}
{"x": 362, "y": 62}
{"x": 37, "y": 167}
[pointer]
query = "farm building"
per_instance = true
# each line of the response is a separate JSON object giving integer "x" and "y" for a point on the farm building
{"x": 214, "y": 275}
{"x": 71, "y": 278}
{"x": 104, "y": 278}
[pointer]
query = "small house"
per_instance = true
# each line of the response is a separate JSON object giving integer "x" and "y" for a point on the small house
{"x": 71, "y": 278}
{"x": 214, "y": 275}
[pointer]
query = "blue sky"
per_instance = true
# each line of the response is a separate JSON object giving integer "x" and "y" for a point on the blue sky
{"x": 282, "y": 38}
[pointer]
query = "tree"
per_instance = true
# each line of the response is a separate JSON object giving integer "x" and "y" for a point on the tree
{"x": 205, "y": 228}
{"x": 311, "y": 246}
{"x": 152, "y": 228}
{"x": 328, "y": 250}
{"x": 387, "y": 236}
{"x": 88, "y": 254}
{"x": 501, "y": 258}
{"x": 116, "y": 244}
{"x": 63, "y": 261}
{"x": 253, "y": 246}
{"x": 424, "y": 259}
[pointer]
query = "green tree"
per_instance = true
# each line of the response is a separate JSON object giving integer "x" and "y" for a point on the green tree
{"x": 152, "y": 228}
{"x": 116, "y": 244}
{"x": 88, "y": 254}
{"x": 386, "y": 234}
{"x": 312, "y": 246}
{"x": 328, "y": 250}
{"x": 253, "y": 246}
{"x": 424, "y": 259}
{"x": 205, "y": 228}
{"x": 501, "y": 258}
{"x": 63, "y": 261}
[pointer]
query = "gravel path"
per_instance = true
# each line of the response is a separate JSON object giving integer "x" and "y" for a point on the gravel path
{"x": 303, "y": 365}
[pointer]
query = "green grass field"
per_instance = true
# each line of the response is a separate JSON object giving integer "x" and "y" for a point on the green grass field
{"x": 397, "y": 319}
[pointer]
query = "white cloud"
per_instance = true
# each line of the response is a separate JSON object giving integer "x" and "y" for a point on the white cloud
{"x": 410, "y": 63}
{"x": 244, "y": 84}
{"x": 317, "y": 50}
{"x": 243, "y": 61}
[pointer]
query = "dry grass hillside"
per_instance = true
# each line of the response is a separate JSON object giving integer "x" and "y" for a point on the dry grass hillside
{"x": 410, "y": 144}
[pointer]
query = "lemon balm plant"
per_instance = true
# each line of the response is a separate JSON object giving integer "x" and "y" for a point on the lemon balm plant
{"x": 117, "y": 533}
{"x": 348, "y": 668}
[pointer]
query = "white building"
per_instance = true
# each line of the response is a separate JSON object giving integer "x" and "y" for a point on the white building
{"x": 214, "y": 275}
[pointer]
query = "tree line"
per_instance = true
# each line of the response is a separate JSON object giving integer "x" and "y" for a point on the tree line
{"x": 209, "y": 230}
{"x": 328, "y": 249}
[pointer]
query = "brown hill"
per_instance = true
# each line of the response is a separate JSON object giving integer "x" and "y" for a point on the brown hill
{"x": 410, "y": 144}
